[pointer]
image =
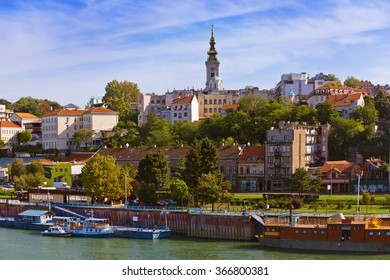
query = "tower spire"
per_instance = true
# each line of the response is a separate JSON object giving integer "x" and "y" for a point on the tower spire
{"x": 212, "y": 51}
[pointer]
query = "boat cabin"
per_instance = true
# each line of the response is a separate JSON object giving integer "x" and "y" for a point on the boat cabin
{"x": 36, "y": 216}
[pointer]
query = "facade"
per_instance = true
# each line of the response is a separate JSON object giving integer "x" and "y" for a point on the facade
{"x": 251, "y": 169}
{"x": 5, "y": 113}
{"x": 58, "y": 172}
{"x": 291, "y": 146}
{"x": 185, "y": 108}
{"x": 337, "y": 175}
{"x": 29, "y": 122}
{"x": 9, "y": 134}
{"x": 296, "y": 82}
{"x": 59, "y": 126}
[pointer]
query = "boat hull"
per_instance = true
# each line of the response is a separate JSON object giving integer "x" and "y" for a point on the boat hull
{"x": 33, "y": 226}
{"x": 56, "y": 234}
{"x": 341, "y": 246}
{"x": 141, "y": 233}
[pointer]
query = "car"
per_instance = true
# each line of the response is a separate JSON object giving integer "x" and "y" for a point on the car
{"x": 161, "y": 203}
{"x": 169, "y": 202}
{"x": 8, "y": 185}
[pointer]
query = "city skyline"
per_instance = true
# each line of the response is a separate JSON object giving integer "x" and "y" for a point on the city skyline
{"x": 67, "y": 51}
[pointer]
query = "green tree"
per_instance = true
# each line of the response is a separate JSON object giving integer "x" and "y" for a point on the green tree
{"x": 178, "y": 190}
{"x": 24, "y": 136}
{"x": 156, "y": 131}
{"x": 382, "y": 104}
{"x": 147, "y": 193}
{"x": 336, "y": 81}
{"x": 325, "y": 112}
{"x": 352, "y": 82}
{"x": 8, "y": 104}
{"x": 83, "y": 136}
{"x": 202, "y": 158}
{"x": 154, "y": 169}
{"x": 366, "y": 199}
{"x": 185, "y": 132}
{"x": 301, "y": 181}
{"x": 37, "y": 107}
{"x": 35, "y": 167}
{"x": 366, "y": 114}
{"x": 119, "y": 96}
{"x": 17, "y": 168}
{"x": 103, "y": 179}
{"x": 2, "y": 143}
{"x": 387, "y": 199}
{"x": 210, "y": 189}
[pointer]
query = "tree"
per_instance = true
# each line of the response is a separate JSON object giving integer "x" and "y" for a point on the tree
{"x": 83, "y": 136}
{"x": 2, "y": 143}
{"x": 37, "y": 107}
{"x": 35, "y": 167}
{"x": 210, "y": 189}
{"x": 153, "y": 169}
{"x": 387, "y": 199}
{"x": 156, "y": 131}
{"x": 178, "y": 190}
{"x": 8, "y": 104}
{"x": 336, "y": 81}
{"x": 382, "y": 104}
{"x": 185, "y": 132}
{"x": 366, "y": 114}
{"x": 24, "y": 136}
{"x": 366, "y": 199}
{"x": 302, "y": 182}
{"x": 147, "y": 193}
{"x": 17, "y": 168}
{"x": 103, "y": 179}
{"x": 325, "y": 112}
{"x": 352, "y": 82}
{"x": 119, "y": 96}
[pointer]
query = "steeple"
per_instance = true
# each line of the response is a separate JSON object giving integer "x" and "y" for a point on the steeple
{"x": 213, "y": 82}
{"x": 212, "y": 51}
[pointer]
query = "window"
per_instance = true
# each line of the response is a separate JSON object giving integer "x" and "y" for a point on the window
{"x": 205, "y": 102}
{"x": 315, "y": 232}
{"x": 241, "y": 170}
{"x": 296, "y": 231}
{"x": 248, "y": 170}
{"x": 371, "y": 233}
{"x": 254, "y": 169}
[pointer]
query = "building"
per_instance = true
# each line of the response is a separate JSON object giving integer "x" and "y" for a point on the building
{"x": 29, "y": 122}
{"x": 59, "y": 126}
{"x": 5, "y": 113}
{"x": 185, "y": 108}
{"x": 9, "y": 134}
{"x": 337, "y": 175}
{"x": 251, "y": 169}
{"x": 291, "y": 146}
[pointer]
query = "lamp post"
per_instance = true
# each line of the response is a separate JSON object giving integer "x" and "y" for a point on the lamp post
{"x": 357, "y": 205}
{"x": 125, "y": 190}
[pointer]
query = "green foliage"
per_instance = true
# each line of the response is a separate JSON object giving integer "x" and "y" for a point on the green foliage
{"x": 156, "y": 131}
{"x": 325, "y": 113}
{"x": 185, "y": 132}
{"x": 103, "y": 179}
{"x": 301, "y": 181}
{"x": 119, "y": 96}
{"x": 353, "y": 82}
{"x": 336, "y": 81}
{"x": 210, "y": 189}
{"x": 2, "y": 143}
{"x": 178, "y": 191}
{"x": 37, "y": 107}
{"x": 24, "y": 136}
{"x": 83, "y": 136}
{"x": 147, "y": 193}
{"x": 27, "y": 176}
{"x": 17, "y": 168}
{"x": 367, "y": 114}
{"x": 153, "y": 169}
{"x": 382, "y": 104}
{"x": 8, "y": 104}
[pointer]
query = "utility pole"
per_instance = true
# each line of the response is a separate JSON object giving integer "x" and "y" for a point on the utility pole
{"x": 125, "y": 190}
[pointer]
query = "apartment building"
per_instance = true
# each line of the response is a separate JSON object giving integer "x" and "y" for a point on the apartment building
{"x": 251, "y": 167}
{"x": 9, "y": 134}
{"x": 291, "y": 146}
{"x": 185, "y": 108}
{"x": 59, "y": 126}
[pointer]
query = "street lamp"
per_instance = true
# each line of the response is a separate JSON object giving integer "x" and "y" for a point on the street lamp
{"x": 357, "y": 205}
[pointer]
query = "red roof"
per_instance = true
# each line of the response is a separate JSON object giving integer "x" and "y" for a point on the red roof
{"x": 340, "y": 166}
{"x": 26, "y": 116}
{"x": 78, "y": 112}
{"x": 183, "y": 99}
{"x": 343, "y": 100}
{"x": 8, "y": 124}
{"x": 78, "y": 157}
{"x": 253, "y": 153}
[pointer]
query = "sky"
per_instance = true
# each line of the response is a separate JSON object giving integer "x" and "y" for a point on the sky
{"x": 67, "y": 51}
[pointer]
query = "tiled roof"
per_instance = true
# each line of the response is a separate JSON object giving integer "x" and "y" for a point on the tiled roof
{"x": 341, "y": 166}
{"x": 77, "y": 112}
{"x": 8, "y": 124}
{"x": 26, "y": 116}
{"x": 183, "y": 99}
{"x": 78, "y": 157}
{"x": 343, "y": 100}
{"x": 253, "y": 153}
{"x": 230, "y": 106}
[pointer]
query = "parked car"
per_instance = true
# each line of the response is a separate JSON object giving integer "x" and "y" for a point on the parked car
{"x": 8, "y": 185}
{"x": 169, "y": 202}
{"x": 161, "y": 203}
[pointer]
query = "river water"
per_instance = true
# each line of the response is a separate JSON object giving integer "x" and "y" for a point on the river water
{"x": 17, "y": 244}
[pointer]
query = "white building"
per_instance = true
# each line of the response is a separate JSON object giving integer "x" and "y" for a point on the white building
{"x": 185, "y": 108}
{"x": 9, "y": 134}
{"x": 59, "y": 126}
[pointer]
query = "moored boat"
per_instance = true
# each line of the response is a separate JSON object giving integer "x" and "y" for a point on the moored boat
{"x": 93, "y": 227}
{"x": 142, "y": 233}
{"x": 337, "y": 233}
{"x": 56, "y": 231}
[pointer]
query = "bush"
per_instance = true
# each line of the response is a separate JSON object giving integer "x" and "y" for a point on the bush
{"x": 297, "y": 202}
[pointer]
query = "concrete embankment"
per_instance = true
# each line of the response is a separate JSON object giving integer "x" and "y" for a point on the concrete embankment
{"x": 200, "y": 225}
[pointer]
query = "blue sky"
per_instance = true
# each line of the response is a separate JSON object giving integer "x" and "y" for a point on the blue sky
{"x": 67, "y": 51}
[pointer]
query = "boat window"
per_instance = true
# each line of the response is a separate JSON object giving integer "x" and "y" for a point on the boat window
{"x": 388, "y": 233}
{"x": 378, "y": 233}
{"x": 296, "y": 231}
{"x": 371, "y": 233}
{"x": 322, "y": 232}
{"x": 315, "y": 232}
{"x": 273, "y": 230}
{"x": 304, "y": 231}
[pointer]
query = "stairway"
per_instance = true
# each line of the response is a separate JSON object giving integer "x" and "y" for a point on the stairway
{"x": 67, "y": 213}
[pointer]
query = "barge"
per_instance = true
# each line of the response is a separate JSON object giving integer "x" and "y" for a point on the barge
{"x": 337, "y": 233}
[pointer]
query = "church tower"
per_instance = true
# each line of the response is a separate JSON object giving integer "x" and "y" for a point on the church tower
{"x": 213, "y": 82}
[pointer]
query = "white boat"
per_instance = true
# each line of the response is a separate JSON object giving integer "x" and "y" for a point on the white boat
{"x": 93, "y": 227}
{"x": 56, "y": 231}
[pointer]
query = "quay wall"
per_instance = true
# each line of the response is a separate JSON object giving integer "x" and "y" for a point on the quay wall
{"x": 199, "y": 225}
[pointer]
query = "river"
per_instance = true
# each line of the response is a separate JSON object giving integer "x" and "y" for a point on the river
{"x": 16, "y": 244}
